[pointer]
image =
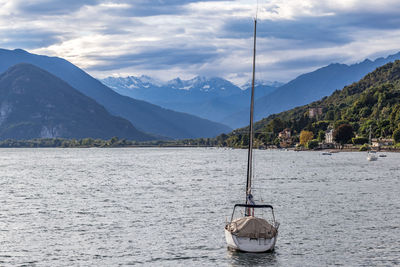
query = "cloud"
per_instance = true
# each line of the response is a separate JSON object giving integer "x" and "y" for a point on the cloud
{"x": 28, "y": 39}
{"x": 144, "y": 8}
{"x": 158, "y": 59}
{"x": 307, "y": 32}
{"x": 193, "y": 37}
{"x": 47, "y": 7}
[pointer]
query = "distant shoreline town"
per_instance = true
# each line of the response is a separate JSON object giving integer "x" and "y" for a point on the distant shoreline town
{"x": 115, "y": 142}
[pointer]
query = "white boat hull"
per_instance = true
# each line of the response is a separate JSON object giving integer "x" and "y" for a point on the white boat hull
{"x": 247, "y": 244}
{"x": 372, "y": 158}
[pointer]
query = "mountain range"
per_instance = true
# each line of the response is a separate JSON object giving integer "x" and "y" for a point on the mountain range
{"x": 210, "y": 98}
{"x": 222, "y": 101}
{"x": 307, "y": 88}
{"x": 37, "y": 104}
{"x": 144, "y": 116}
{"x": 369, "y": 106}
{"x": 213, "y": 98}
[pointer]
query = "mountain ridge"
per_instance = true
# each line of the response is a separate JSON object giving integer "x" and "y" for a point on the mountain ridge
{"x": 37, "y": 104}
{"x": 370, "y": 104}
{"x": 309, "y": 87}
{"x": 144, "y": 116}
{"x": 211, "y": 98}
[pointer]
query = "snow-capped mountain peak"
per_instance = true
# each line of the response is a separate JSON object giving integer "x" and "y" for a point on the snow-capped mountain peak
{"x": 215, "y": 85}
{"x": 151, "y": 81}
{"x": 132, "y": 82}
{"x": 176, "y": 83}
{"x": 259, "y": 82}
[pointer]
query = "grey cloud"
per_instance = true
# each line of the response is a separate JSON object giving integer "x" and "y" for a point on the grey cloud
{"x": 314, "y": 31}
{"x": 113, "y": 31}
{"x": 28, "y": 39}
{"x": 54, "y": 7}
{"x": 139, "y": 8}
{"x": 306, "y": 31}
{"x": 143, "y": 8}
{"x": 380, "y": 21}
{"x": 158, "y": 59}
{"x": 303, "y": 33}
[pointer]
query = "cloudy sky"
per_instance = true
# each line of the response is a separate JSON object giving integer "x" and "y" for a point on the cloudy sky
{"x": 170, "y": 38}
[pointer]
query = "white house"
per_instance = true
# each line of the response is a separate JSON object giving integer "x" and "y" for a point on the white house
{"x": 329, "y": 136}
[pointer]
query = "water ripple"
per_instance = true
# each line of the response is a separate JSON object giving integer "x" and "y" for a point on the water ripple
{"x": 167, "y": 207}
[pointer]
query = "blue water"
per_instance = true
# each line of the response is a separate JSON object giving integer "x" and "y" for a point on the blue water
{"x": 167, "y": 207}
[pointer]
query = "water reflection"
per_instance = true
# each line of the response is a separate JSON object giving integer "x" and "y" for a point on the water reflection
{"x": 237, "y": 258}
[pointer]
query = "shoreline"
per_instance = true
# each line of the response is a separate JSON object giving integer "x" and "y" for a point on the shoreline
{"x": 337, "y": 150}
{"x": 330, "y": 150}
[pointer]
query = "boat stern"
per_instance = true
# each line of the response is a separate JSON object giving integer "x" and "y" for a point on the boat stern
{"x": 246, "y": 244}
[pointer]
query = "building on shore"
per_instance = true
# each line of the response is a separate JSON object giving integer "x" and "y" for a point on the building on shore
{"x": 285, "y": 138}
{"x": 328, "y": 142}
{"x": 329, "y": 136}
{"x": 285, "y": 134}
{"x": 380, "y": 142}
{"x": 314, "y": 112}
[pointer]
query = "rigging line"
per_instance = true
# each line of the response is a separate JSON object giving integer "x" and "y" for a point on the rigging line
{"x": 257, "y": 10}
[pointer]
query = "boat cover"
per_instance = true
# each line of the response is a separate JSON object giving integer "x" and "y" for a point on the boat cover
{"x": 252, "y": 227}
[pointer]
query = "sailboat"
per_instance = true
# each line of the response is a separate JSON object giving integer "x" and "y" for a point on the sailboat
{"x": 371, "y": 154}
{"x": 251, "y": 233}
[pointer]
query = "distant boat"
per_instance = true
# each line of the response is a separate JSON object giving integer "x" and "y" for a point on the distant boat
{"x": 251, "y": 233}
{"x": 382, "y": 155}
{"x": 372, "y": 157}
{"x": 326, "y": 153}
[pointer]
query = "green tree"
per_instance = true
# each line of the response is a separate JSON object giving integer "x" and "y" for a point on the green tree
{"x": 312, "y": 144}
{"x": 232, "y": 141}
{"x": 221, "y": 139}
{"x": 343, "y": 134}
{"x": 276, "y": 126}
{"x": 277, "y": 142}
{"x": 321, "y": 136}
{"x": 114, "y": 140}
{"x": 365, "y": 112}
{"x": 321, "y": 125}
{"x": 359, "y": 140}
{"x": 87, "y": 141}
{"x": 330, "y": 115}
{"x": 245, "y": 140}
{"x": 396, "y": 135}
{"x": 364, "y": 147}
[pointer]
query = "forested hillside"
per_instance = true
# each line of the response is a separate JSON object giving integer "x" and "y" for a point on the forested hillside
{"x": 372, "y": 103}
{"x": 36, "y": 104}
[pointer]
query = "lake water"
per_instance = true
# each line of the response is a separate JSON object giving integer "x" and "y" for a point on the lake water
{"x": 167, "y": 207}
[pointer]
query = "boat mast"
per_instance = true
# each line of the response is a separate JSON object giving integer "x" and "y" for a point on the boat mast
{"x": 251, "y": 130}
{"x": 370, "y": 142}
